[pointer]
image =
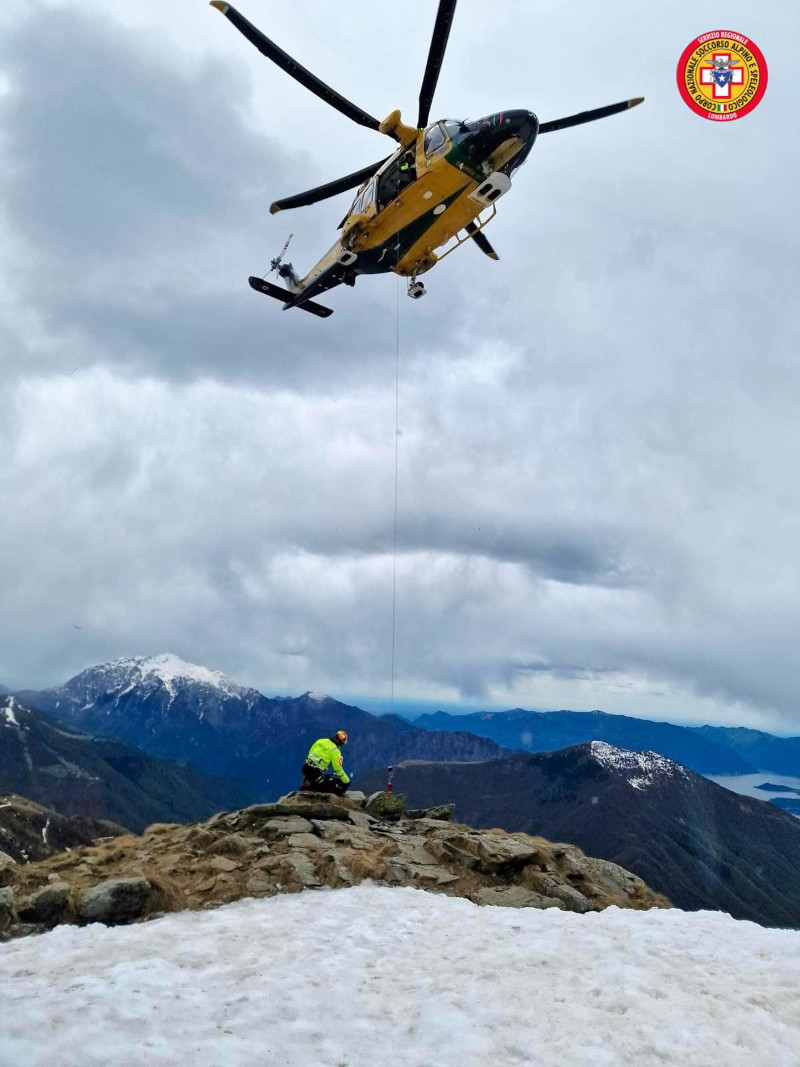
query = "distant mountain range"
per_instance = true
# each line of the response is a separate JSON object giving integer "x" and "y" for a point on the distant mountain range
{"x": 705, "y": 749}
{"x": 176, "y": 710}
{"x": 764, "y": 752}
{"x": 43, "y": 761}
{"x": 700, "y": 844}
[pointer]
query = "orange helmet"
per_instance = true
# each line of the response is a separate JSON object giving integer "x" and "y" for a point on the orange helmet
{"x": 340, "y": 737}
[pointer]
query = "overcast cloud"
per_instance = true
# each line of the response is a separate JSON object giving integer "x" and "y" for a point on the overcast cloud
{"x": 599, "y": 449}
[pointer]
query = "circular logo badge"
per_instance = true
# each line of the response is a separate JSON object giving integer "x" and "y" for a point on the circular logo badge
{"x": 722, "y": 75}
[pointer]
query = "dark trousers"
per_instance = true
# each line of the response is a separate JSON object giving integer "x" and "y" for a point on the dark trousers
{"x": 317, "y": 782}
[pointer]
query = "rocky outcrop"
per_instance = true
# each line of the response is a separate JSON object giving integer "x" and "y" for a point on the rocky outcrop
{"x": 306, "y": 841}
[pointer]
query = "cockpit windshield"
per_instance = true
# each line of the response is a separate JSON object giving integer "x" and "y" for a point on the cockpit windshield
{"x": 363, "y": 201}
{"x": 434, "y": 139}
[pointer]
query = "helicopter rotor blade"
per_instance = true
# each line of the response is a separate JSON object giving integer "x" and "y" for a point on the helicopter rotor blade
{"x": 589, "y": 116}
{"x": 480, "y": 240}
{"x": 322, "y": 192}
{"x": 318, "y": 87}
{"x": 441, "y": 31}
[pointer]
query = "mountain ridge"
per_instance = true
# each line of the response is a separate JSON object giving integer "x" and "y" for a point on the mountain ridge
{"x": 174, "y": 710}
{"x": 705, "y": 749}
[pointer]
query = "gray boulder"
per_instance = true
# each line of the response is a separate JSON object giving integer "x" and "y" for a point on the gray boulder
{"x": 441, "y": 812}
{"x": 498, "y": 853}
{"x": 46, "y": 905}
{"x": 119, "y": 900}
{"x": 453, "y": 848}
{"x": 515, "y": 896}
{"x": 294, "y": 805}
{"x": 388, "y": 806}
{"x": 360, "y": 818}
{"x": 549, "y": 886}
{"x": 284, "y": 826}
{"x": 403, "y": 872}
{"x": 224, "y": 863}
{"x": 301, "y": 869}
{"x": 612, "y": 876}
{"x": 307, "y": 841}
{"x": 490, "y": 853}
{"x": 7, "y": 865}
{"x": 6, "y": 907}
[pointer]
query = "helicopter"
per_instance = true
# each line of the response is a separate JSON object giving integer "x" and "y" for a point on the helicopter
{"x": 437, "y": 190}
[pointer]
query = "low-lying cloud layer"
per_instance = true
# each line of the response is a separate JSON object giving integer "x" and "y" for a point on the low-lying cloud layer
{"x": 598, "y": 444}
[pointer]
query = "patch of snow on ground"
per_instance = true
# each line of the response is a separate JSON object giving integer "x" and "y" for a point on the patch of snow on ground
{"x": 11, "y": 719}
{"x": 640, "y": 767}
{"x": 370, "y": 975}
{"x": 317, "y": 697}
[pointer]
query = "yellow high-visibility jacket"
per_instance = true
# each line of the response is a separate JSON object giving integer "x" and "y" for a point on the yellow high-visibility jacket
{"x": 323, "y": 753}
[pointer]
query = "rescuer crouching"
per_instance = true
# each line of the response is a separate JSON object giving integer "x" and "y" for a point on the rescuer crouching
{"x": 324, "y": 753}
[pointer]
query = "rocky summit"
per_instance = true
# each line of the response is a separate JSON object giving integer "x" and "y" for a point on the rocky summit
{"x": 307, "y": 841}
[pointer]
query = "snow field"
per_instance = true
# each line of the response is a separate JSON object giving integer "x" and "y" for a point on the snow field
{"x": 373, "y": 975}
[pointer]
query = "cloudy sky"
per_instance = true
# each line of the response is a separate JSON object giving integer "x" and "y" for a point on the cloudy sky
{"x": 598, "y": 447}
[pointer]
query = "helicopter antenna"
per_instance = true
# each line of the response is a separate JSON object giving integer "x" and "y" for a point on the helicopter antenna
{"x": 275, "y": 263}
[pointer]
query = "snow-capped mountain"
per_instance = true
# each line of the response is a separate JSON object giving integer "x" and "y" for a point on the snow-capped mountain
{"x": 166, "y": 675}
{"x": 701, "y": 845}
{"x": 180, "y": 711}
{"x": 641, "y": 770}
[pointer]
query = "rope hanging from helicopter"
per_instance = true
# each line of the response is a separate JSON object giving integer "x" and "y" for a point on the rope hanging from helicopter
{"x": 396, "y": 469}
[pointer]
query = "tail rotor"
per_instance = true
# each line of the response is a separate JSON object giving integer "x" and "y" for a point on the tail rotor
{"x": 275, "y": 264}
{"x": 284, "y": 270}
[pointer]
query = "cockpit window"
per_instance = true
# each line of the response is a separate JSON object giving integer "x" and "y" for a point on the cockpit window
{"x": 453, "y": 127}
{"x": 434, "y": 139}
{"x": 364, "y": 200}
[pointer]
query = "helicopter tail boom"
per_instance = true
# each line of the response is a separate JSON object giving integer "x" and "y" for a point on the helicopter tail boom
{"x": 286, "y": 298}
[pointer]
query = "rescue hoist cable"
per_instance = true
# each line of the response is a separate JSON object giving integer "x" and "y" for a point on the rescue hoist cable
{"x": 396, "y": 470}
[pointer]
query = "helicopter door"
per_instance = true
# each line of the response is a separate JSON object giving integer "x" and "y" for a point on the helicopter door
{"x": 363, "y": 208}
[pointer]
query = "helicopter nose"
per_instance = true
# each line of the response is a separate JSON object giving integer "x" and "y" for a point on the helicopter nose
{"x": 486, "y": 135}
{"x": 521, "y": 124}
{"x": 517, "y": 123}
